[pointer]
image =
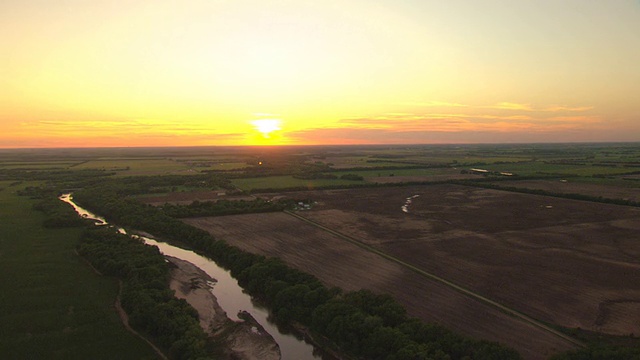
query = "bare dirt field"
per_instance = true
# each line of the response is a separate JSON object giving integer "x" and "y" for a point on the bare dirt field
{"x": 337, "y": 262}
{"x": 570, "y": 187}
{"x": 572, "y": 263}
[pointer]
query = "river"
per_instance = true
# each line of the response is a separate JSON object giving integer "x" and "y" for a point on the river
{"x": 229, "y": 294}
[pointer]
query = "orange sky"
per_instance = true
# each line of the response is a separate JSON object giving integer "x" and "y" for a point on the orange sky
{"x": 205, "y": 72}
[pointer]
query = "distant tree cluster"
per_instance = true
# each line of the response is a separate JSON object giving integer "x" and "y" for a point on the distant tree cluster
{"x": 224, "y": 207}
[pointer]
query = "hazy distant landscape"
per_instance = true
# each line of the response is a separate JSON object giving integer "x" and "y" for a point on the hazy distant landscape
{"x": 487, "y": 251}
{"x": 320, "y": 180}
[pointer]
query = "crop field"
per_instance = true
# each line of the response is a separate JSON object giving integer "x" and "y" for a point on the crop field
{"x": 52, "y": 304}
{"x": 412, "y": 158}
{"x": 409, "y": 175}
{"x": 567, "y": 262}
{"x": 215, "y": 163}
{"x": 35, "y": 165}
{"x": 131, "y": 167}
{"x": 371, "y": 176}
{"x": 538, "y": 168}
{"x": 283, "y": 182}
{"x": 225, "y": 166}
{"x": 338, "y": 262}
{"x": 606, "y": 189}
{"x": 345, "y": 162}
{"x": 187, "y": 197}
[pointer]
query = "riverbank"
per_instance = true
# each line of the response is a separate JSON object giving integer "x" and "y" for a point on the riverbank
{"x": 242, "y": 340}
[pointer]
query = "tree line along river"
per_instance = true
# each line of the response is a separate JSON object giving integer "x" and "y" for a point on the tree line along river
{"x": 228, "y": 293}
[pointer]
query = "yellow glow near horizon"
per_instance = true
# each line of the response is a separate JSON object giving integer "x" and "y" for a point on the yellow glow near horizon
{"x": 267, "y": 126}
{"x": 162, "y": 73}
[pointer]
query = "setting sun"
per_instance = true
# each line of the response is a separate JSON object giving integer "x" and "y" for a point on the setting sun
{"x": 162, "y": 73}
{"x": 266, "y": 126}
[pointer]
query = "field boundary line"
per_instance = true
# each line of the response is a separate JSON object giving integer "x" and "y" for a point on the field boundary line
{"x": 441, "y": 280}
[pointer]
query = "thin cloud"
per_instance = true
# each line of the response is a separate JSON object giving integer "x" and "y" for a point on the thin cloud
{"x": 504, "y": 105}
{"x": 576, "y": 119}
{"x": 569, "y": 109}
{"x": 433, "y": 104}
{"x": 511, "y": 106}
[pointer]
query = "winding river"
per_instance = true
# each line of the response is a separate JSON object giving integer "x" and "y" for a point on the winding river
{"x": 229, "y": 294}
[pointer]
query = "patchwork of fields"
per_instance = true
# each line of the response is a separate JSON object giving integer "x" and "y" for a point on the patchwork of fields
{"x": 503, "y": 265}
{"x": 563, "y": 262}
{"x": 572, "y": 263}
{"x": 339, "y": 263}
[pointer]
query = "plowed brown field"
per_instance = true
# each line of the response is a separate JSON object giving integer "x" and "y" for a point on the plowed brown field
{"x": 564, "y": 262}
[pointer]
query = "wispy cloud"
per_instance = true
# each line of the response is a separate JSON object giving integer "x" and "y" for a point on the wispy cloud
{"x": 432, "y": 104}
{"x": 568, "y": 109}
{"x": 511, "y": 106}
{"x": 529, "y": 108}
{"x": 504, "y": 121}
{"x": 142, "y": 132}
{"x": 504, "y": 105}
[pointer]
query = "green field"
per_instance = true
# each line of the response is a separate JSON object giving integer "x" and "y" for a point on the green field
{"x": 224, "y": 166}
{"x": 413, "y": 159}
{"x": 37, "y": 165}
{"x": 283, "y": 182}
{"x": 354, "y": 162}
{"x": 131, "y": 167}
{"x": 52, "y": 304}
{"x": 541, "y": 168}
{"x": 399, "y": 172}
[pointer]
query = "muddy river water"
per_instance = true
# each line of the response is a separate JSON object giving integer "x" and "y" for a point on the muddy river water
{"x": 227, "y": 291}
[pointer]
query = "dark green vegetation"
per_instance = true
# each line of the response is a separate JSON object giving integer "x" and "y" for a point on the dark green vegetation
{"x": 599, "y": 352}
{"x": 145, "y": 296}
{"x": 52, "y": 304}
{"x": 225, "y": 207}
{"x": 58, "y": 214}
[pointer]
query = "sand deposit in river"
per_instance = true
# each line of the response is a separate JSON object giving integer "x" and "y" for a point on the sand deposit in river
{"x": 244, "y": 340}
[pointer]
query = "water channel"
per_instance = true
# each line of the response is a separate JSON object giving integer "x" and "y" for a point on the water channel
{"x": 227, "y": 291}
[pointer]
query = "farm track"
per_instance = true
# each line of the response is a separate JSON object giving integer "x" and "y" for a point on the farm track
{"x": 441, "y": 280}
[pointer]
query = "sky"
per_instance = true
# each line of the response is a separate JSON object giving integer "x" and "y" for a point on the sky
{"x": 77, "y": 73}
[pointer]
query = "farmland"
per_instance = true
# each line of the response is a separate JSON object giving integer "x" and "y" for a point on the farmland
{"x": 542, "y": 168}
{"x": 510, "y": 258}
{"x": 564, "y": 262}
{"x": 339, "y": 263}
{"x": 136, "y": 166}
{"x": 281, "y": 182}
{"x": 53, "y": 305}
{"x": 581, "y": 258}
{"x": 625, "y": 190}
